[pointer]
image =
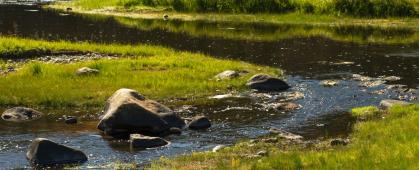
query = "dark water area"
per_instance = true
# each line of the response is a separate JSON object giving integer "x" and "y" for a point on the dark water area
{"x": 306, "y": 60}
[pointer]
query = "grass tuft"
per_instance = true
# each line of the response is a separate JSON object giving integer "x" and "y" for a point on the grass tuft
{"x": 365, "y": 112}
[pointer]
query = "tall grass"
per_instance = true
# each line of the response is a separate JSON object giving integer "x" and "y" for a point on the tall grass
{"x": 389, "y": 143}
{"x": 360, "y": 8}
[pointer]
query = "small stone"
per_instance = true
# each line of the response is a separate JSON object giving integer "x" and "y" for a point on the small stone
{"x": 175, "y": 130}
{"x": 218, "y": 148}
{"x": 263, "y": 82}
{"x": 284, "y": 134}
{"x": 87, "y": 71}
{"x": 385, "y": 104}
{"x": 336, "y": 142}
{"x": 141, "y": 141}
{"x": 371, "y": 83}
{"x": 70, "y": 120}
{"x": 270, "y": 140}
{"x": 329, "y": 83}
{"x": 165, "y": 17}
{"x": 392, "y": 78}
{"x": 228, "y": 74}
{"x": 21, "y": 114}
{"x": 287, "y": 106}
{"x": 200, "y": 123}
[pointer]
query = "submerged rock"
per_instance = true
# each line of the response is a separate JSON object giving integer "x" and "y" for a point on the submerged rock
{"x": 44, "y": 152}
{"x": 392, "y": 78}
{"x": 329, "y": 83}
{"x": 263, "y": 82}
{"x": 284, "y": 134}
{"x": 228, "y": 74}
{"x": 286, "y": 106}
{"x": 20, "y": 114}
{"x": 385, "y": 104}
{"x": 371, "y": 83}
{"x": 141, "y": 141}
{"x": 87, "y": 71}
{"x": 127, "y": 112}
{"x": 199, "y": 123}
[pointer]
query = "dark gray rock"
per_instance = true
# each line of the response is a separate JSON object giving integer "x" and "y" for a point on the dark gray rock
{"x": 175, "y": 130}
{"x": 128, "y": 112}
{"x": 141, "y": 141}
{"x": 44, "y": 152}
{"x": 87, "y": 71}
{"x": 199, "y": 123}
{"x": 385, "y": 104}
{"x": 263, "y": 82}
{"x": 20, "y": 114}
{"x": 70, "y": 120}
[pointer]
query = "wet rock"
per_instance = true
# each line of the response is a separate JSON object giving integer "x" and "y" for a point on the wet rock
{"x": 284, "y": 134}
{"x": 286, "y": 106}
{"x": 20, "y": 114}
{"x": 141, "y": 141}
{"x": 385, "y": 104}
{"x": 361, "y": 77}
{"x": 329, "y": 83}
{"x": 228, "y": 74}
{"x": 44, "y": 152}
{"x": 336, "y": 142}
{"x": 199, "y": 123}
{"x": 371, "y": 83}
{"x": 70, "y": 120}
{"x": 175, "y": 130}
{"x": 343, "y": 63}
{"x": 392, "y": 78}
{"x": 218, "y": 148}
{"x": 222, "y": 96}
{"x": 263, "y": 82}
{"x": 87, "y": 71}
{"x": 128, "y": 112}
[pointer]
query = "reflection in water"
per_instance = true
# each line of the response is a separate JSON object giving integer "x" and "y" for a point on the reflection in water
{"x": 307, "y": 53}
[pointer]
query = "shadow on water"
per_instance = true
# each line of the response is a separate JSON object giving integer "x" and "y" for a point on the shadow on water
{"x": 308, "y": 54}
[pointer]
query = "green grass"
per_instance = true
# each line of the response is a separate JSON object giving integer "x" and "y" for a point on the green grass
{"x": 159, "y": 73}
{"x": 359, "y": 8}
{"x": 365, "y": 112}
{"x": 389, "y": 143}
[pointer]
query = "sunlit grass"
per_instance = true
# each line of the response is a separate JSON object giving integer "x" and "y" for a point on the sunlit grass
{"x": 389, "y": 143}
{"x": 365, "y": 112}
{"x": 156, "y": 72}
{"x": 360, "y": 8}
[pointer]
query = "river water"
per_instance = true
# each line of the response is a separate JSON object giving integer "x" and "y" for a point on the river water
{"x": 307, "y": 54}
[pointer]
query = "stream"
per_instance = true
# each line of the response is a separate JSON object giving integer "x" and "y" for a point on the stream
{"x": 328, "y": 52}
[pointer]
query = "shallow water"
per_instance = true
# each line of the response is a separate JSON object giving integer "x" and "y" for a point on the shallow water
{"x": 306, "y": 60}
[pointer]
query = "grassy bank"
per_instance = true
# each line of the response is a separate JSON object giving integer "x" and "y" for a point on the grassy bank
{"x": 288, "y": 18}
{"x": 156, "y": 72}
{"x": 269, "y": 32}
{"x": 391, "y": 142}
{"x": 360, "y": 8}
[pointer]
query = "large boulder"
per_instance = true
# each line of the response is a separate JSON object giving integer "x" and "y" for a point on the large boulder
{"x": 141, "y": 141}
{"x": 385, "y": 104}
{"x": 128, "y": 112}
{"x": 263, "y": 82}
{"x": 20, "y": 114}
{"x": 44, "y": 152}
